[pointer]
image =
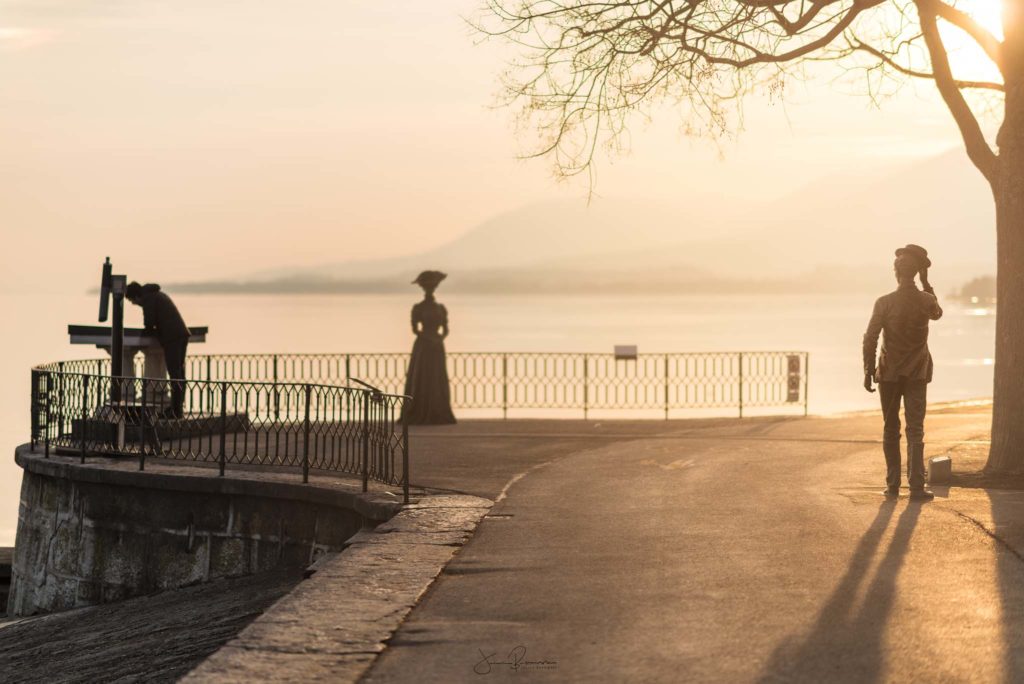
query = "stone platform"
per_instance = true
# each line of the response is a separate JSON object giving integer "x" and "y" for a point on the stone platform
{"x": 104, "y": 531}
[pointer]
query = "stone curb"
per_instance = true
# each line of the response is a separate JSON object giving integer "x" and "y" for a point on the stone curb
{"x": 333, "y": 626}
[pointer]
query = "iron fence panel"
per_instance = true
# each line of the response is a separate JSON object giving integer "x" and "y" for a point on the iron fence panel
{"x": 524, "y": 380}
{"x": 301, "y": 426}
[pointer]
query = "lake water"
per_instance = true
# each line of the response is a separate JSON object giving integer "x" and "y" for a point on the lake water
{"x": 829, "y": 327}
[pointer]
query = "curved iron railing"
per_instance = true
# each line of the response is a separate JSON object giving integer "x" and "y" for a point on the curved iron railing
{"x": 307, "y": 426}
{"x": 297, "y": 410}
{"x": 504, "y": 381}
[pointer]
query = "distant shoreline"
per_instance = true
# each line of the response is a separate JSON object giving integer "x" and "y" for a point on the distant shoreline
{"x": 518, "y": 289}
{"x": 610, "y": 287}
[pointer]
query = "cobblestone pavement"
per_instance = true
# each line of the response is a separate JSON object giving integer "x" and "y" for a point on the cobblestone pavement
{"x": 155, "y": 638}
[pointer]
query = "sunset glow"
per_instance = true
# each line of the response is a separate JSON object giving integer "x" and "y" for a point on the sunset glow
{"x": 968, "y": 59}
{"x": 546, "y": 340}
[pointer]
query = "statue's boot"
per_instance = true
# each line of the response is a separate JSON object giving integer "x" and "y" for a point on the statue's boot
{"x": 892, "y": 467}
{"x": 915, "y": 472}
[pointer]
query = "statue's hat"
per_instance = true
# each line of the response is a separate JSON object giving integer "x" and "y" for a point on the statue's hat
{"x": 916, "y": 251}
{"x": 429, "y": 278}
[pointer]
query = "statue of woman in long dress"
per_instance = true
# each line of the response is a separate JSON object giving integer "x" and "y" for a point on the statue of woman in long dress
{"x": 427, "y": 381}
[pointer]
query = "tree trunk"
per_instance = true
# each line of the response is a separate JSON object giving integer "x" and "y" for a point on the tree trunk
{"x": 1006, "y": 455}
{"x": 1007, "y": 452}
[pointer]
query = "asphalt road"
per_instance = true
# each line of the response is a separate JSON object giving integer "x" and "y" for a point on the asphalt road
{"x": 726, "y": 551}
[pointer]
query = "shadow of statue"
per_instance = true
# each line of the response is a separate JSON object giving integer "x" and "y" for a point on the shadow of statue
{"x": 427, "y": 378}
{"x": 845, "y": 642}
{"x": 1007, "y": 507}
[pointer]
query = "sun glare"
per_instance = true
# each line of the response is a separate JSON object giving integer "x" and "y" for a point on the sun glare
{"x": 968, "y": 59}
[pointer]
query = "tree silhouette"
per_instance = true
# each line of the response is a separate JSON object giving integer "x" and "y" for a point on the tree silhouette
{"x": 588, "y": 66}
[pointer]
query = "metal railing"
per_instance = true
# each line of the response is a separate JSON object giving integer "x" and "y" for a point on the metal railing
{"x": 305, "y": 426}
{"x": 532, "y": 380}
{"x": 297, "y": 410}
{"x": 511, "y": 381}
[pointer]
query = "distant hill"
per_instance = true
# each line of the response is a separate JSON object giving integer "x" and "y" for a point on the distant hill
{"x": 980, "y": 290}
{"x": 942, "y": 203}
{"x": 838, "y": 233}
{"x": 549, "y": 232}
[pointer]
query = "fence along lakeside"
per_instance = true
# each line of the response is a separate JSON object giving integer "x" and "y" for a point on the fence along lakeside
{"x": 556, "y": 380}
{"x": 517, "y": 381}
{"x": 297, "y": 411}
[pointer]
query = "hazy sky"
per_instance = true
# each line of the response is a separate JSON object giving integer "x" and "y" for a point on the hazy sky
{"x": 195, "y": 139}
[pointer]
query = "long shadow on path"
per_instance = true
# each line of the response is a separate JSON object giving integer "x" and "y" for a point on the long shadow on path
{"x": 845, "y": 643}
{"x": 1008, "y": 532}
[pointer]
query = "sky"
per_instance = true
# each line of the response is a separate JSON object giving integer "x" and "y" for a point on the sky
{"x": 194, "y": 140}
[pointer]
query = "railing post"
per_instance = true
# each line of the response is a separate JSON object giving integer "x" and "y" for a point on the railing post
{"x": 305, "y": 431}
{"x": 741, "y": 383}
{"x": 586, "y": 384}
{"x": 404, "y": 460}
{"x": 142, "y": 427}
{"x": 209, "y": 386}
{"x": 34, "y": 408}
{"x": 366, "y": 440}
{"x": 277, "y": 396}
{"x": 807, "y": 373}
{"x": 62, "y": 384}
{"x": 504, "y": 386}
{"x": 223, "y": 426}
{"x": 666, "y": 387}
{"x": 348, "y": 395}
{"x": 85, "y": 411}
{"x": 46, "y": 427}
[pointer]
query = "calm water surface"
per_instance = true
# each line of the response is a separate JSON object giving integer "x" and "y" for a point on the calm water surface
{"x": 829, "y": 327}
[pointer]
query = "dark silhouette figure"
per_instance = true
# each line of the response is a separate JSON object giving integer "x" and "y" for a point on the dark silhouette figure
{"x": 904, "y": 366}
{"x": 161, "y": 317}
{"x": 427, "y": 381}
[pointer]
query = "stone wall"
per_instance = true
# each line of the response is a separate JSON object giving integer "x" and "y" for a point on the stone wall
{"x": 88, "y": 537}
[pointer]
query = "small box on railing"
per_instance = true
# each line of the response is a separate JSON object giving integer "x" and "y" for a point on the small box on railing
{"x": 625, "y": 352}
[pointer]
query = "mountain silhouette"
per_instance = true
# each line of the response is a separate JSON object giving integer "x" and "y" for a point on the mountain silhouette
{"x": 838, "y": 231}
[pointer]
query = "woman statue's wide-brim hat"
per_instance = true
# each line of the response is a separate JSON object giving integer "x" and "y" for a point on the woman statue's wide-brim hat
{"x": 917, "y": 252}
{"x": 430, "y": 278}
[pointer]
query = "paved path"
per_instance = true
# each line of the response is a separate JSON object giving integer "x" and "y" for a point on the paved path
{"x": 717, "y": 551}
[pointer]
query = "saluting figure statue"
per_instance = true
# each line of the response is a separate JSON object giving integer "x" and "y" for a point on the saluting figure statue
{"x": 904, "y": 366}
{"x": 160, "y": 316}
{"x": 427, "y": 381}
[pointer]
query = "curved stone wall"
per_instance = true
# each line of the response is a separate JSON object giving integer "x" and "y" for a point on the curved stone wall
{"x": 102, "y": 532}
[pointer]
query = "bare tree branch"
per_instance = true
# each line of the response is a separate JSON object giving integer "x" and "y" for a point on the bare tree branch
{"x": 977, "y": 148}
{"x": 589, "y": 65}
{"x": 890, "y": 60}
{"x": 760, "y": 57}
{"x": 794, "y": 27}
{"x": 984, "y": 38}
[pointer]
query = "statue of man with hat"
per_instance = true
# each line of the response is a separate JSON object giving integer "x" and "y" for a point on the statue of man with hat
{"x": 904, "y": 366}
